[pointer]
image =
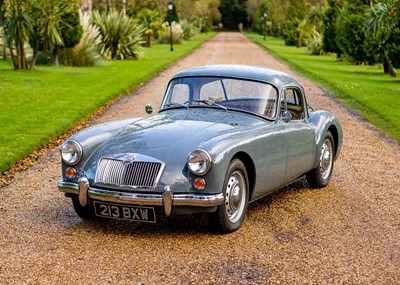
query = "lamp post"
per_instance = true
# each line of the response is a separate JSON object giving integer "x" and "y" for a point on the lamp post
{"x": 264, "y": 26}
{"x": 170, "y": 8}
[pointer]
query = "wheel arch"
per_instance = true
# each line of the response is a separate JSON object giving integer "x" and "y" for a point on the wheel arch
{"x": 335, "y": 133}
{"x": 250, "y": 167}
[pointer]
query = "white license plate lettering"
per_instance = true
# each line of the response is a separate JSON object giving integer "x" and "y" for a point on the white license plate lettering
{"x": 144, "y": 213}
{"x": 133, "y": 213}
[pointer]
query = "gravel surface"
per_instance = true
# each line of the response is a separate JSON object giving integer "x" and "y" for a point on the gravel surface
{"x": 346, "y": 233}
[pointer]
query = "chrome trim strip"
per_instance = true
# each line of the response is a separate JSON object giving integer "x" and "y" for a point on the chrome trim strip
{"x": 145, "y": 199}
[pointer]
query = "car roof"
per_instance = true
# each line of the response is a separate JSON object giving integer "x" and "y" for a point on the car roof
{"x": 263, "y": 74}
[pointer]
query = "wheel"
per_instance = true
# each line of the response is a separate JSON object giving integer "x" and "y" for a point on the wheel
{"x": 320, "y": 176}
{"x": 230, "y": 215}
{"x": 86, "y": 213}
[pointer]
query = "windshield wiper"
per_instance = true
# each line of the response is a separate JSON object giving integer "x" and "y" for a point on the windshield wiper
{"x": 211, "y": 103}
{"x": 176, "y": 104}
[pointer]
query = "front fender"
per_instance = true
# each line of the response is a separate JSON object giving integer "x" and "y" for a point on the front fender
{"x": 90, "y": 139}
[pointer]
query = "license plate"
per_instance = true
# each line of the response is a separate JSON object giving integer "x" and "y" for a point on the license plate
{"x": 124, "y": 212}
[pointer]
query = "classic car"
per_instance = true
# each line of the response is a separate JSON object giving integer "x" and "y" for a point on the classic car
{"x": 224, "y": 136}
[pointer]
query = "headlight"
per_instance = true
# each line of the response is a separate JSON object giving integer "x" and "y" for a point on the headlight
{"x": 199, "y": 162}
{"x": 71, "y": 152}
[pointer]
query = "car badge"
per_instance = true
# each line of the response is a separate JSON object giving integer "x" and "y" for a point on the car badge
{"x": 129, "y": 158}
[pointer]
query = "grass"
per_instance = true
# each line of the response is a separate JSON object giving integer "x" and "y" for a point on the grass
{"x": 39, "y": 105}
{"x": 366, "y": 89}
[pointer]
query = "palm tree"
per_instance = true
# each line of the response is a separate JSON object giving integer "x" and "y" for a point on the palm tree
{"x": 151, "y": 20}
{"x": 56, "y": 26}
{"x": 382, "y": 20}
{"x": 17, "y": 27}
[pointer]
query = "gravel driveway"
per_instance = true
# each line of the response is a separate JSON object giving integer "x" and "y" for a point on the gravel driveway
{"x": 346, "y": 233}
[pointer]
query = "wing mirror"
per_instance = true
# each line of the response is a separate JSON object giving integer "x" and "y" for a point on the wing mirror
{"x": 149, "y": 109}
{"x": 286, "y": 116}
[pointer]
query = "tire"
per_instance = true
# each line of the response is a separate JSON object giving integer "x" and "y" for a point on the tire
{"x": 321, "y": 175}
{"x": 230, "y": 215}
{"x": 85, "y": 213}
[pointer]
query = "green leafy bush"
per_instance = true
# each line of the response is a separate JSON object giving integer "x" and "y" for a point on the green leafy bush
{"x": 189, "y": 29}
{"x": 85, "y": 52}
{"x": 119, "y": 36}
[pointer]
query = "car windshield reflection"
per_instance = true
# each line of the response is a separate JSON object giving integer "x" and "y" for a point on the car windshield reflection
{"x": 225, "y": 93}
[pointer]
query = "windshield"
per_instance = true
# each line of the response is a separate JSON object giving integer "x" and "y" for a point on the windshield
{"x": 227, "y": 93}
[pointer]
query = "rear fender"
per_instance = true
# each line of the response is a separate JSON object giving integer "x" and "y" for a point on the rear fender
{"x": 322, "y": 122}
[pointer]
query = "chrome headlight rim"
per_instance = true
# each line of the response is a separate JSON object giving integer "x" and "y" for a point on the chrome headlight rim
{"x": 77, "y": 150}
{"x": 199, "y": 162}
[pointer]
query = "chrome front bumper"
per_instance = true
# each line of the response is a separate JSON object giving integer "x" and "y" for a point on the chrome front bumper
{"x": 167, "y": 199}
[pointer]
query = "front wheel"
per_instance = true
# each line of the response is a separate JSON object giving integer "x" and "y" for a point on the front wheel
{"x": 86, "y": 213}
{"x": 320, "y": 176}
{"x": 230, "y": 215}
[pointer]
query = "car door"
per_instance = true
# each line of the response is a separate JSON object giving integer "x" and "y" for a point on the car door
{"x": 300, "y": 136}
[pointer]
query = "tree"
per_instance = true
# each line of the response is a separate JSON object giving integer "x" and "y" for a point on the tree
{"x": 383, "y": 22}
{"x": 57, "y": 25}
{"x": 4, "y": 51}
{"x": 18, "y": 26}
{"x": 261, "y": 19}
{"x": 151, "y": 21}
{"x": 233, "y": 12}
{"x": 296, "y": 25}
{"x": 351, "y": 37}
{"x": 330, "y": 22}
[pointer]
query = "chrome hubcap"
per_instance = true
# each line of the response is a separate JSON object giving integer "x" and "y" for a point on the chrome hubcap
{"x": 235, "y": 196}
{"x": 326, "y": 159}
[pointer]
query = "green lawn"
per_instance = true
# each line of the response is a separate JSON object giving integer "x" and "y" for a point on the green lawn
{"x": 366, "y": 89}
{"x": 37, "y": 106}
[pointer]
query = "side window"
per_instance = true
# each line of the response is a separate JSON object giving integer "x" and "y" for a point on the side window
{"x": 293, "y": 102}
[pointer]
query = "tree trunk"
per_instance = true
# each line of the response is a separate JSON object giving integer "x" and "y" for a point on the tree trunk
{"x": 390, "y": 67}
{"x": 13, "y": 58}
{"x": 148, "y": 42}
{"x": 124, "y": 7}
{"x": 299, "y": 39}
{"x": 4, "y": 46}
{"x": 24, "y": 63}
{"x": 55, "y": 56}
{"x": 19, "y": 62}
{"x": 34, "y": 57}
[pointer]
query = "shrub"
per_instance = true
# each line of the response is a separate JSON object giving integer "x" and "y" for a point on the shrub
{"x": 177, "y": 33}
{"x": 189, "y": 29}
{"x": 314, "y": 44}
{"x": 119, "y": 36}
{"x": 85, "y": 52}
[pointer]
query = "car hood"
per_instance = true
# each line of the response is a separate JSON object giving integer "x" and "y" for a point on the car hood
{"x": 168, "y": 136}
{"x": 160, "y": 131}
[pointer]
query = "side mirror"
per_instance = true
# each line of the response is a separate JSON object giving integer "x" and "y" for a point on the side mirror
{"x": 286, "y": 116}
{"x": 149, "y": 109}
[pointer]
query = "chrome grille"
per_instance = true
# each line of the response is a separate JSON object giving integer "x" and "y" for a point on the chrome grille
{"x": 129, "y": 174}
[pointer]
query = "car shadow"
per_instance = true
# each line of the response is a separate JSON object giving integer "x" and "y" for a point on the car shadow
{"x": 197, "y": 224}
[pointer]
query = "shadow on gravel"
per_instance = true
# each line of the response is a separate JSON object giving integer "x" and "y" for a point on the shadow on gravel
{"x": 189, "y": 225}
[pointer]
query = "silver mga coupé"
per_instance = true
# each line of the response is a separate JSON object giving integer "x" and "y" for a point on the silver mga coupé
{"x": 225, "y": 136}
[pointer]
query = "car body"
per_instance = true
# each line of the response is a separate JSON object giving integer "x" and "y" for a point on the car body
{"x": 225, "y": 136}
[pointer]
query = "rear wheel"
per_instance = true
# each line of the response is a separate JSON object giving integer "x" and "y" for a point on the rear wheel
{"x": 320, "y": 176}
{"x": 86, "y": 213}
{"x": 230, "y": 215}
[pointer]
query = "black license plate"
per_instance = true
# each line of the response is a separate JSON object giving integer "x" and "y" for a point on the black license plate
{"x": 124, "y": 212}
